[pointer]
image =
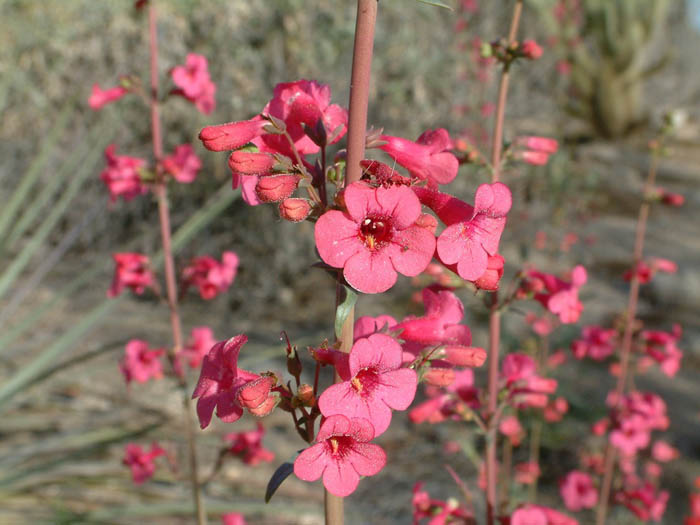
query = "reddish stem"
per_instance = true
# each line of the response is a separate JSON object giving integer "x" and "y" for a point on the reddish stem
{"x": 495, "y": 316}
{"x": 170, "y": 279}
{"x": 631, "y": 313}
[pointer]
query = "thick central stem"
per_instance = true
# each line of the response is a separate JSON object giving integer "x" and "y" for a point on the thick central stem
{"x": 631, "y": 313}
{"x": 357, "y": 130}
{"x": 170, "y": 280}
{"x": 495, "y": 316}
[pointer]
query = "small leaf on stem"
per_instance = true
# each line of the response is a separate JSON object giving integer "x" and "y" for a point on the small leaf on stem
{"x": 344, "y": 309}
{"x": 282, "y": 473}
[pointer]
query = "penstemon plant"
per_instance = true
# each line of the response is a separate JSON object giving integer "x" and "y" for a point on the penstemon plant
{"x": 373, "y": 222}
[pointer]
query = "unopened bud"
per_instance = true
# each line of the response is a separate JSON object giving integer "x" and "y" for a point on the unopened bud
{"x": 305, "y": 394}
{"x": 439, "y": 376}
{"x": 275, "y": 188}
{"x": 294, "y": 210}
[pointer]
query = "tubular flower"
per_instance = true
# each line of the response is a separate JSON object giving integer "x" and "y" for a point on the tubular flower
{"x": 141, "y": 462}
{"x": 428, "y": 158}
{"x": 376, "y": 237}
{"x": 577, "y": 491}
{"x": 183, "y": 164}
{"x": 374, "y": 384}
{"x": 140, "y": 362}
{"x": 342, "y": 453}
{"x": 194, "y": 82}
{"x": 211, "y": 276}
{"x": 131, "y": 271}
{"x": 100, "y": 98}
{"x": 248, "y": 446}
{"x": 121, "y": 175}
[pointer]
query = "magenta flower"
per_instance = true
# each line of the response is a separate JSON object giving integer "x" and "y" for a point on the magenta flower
{"x": 140, "y": 362}
{"x": 472, "y": 233}
{"x": 451, "y": 402}
{"x": 376, "y": 237}
{"x": 439, "y": 512}
{"x": 342, "y": 453}
{"x": 376, "y": 383}
{"x": 440, "y": 326}
{"x": 200, "y": 342}
{"x": 100, "y": 98}
{"x": 525, "y": 387}
{"x": 538, "y": 515}
{"x": 596, "y": 343}
{"x": 531, "y": 49}
{"x": 194, "y": 82}
{"x": 121, "y": 175}
{"x": 211, "y": 276}
{"x": 645, "y": 501}
{"x": 131, "y": 271}
{"x": 663, "y": 452}
{"x": 560, "y": 296}
{"x": 366, "y": 325}
{"x": 300, "y": 103}
{"x": 141, "y": 462}
{"x": 248, "y": 446}
{"x": 220, "y": 382}
{"x": 428, "y": 158}
{"x": 233, "y": 518}
{"x": 183, "y": 164}
{"x": 577, "y": 491}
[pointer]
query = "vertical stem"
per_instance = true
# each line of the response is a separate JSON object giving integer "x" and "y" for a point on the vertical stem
{"x": 536, "y": 430}
{"x": 357, "y": 130}
{"x": 495, "y": 316}
{"x": 628, "y": 333}
{"x": 506, "y": 474}
{"x": 164, "y": 216}
{"x": 359, "y": 87}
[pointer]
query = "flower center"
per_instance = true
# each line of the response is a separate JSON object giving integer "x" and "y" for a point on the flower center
{"x": 375, "y": 231}
{"x": 365, "y": 381}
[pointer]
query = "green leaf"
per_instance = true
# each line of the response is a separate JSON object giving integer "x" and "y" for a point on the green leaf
{"x": 344, "y": 309}
{"x": 435, "y": 3}
{"x": 282, "y": 473}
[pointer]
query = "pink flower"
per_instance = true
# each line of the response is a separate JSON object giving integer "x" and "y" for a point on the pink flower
{"x": 543, "y": 144}
{"x": 663, "y": 452}
{"x": 304, "y": 103}
{"x": 121, "y": 175}
{"x": 100, "y": 98}
{"x": 376, "y": 237}
{"x": 209, "y": 275}
{"x": 539, "y": 515}
{"x": 440, "y": 326}
{"x": 512, "y": 429}
{"x": 555, "y": 410}
{"x": 251, "y": 163}
{"x": 200, "y": 342}
{"x": 140, "y": 362}
{"x": 233, "y": 518}
{"x": 376, "y": 383}
{"x": 141, "y": 462}
{"x": 248, "y": 446}
{"x": 525, "y": 387}
{"x": 341, "y": 455}
{"x": 131, "y": 271}
{"x": 220, "y": 382}
{"x": 644, "y": 271}
{"x": 366, "y": 325}
{"x": 276, "y": 188}
{"x": 527, "y": 473}
{"x": 530, "y": 49}
{"x": 472, "y": 233}
{"x": 183, "y": 164}
{"x": 559, "y": 296}
{"x": 451, "y": 402}
{"x": 194, "y": 82}
{"x": 429, "y": 158}
{"x": 662, "y": 347}
{"x": 439, "y": 512}
{"x": 596, "y": 343}
{"x": 644, "y": 501}
{"x": 577, "y": 491}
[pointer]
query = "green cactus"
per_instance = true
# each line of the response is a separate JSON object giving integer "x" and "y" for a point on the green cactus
{"x": 608, "y": 71}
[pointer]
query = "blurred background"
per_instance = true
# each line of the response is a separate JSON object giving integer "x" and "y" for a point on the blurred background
{"x": 610, "y": 70}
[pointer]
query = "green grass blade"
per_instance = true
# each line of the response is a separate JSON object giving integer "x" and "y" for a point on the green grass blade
{"x": 19, "y": 197}
{"x": 29, "y": 372}
{"x": 67, "y": 169}
{"x": 19, "y": 263}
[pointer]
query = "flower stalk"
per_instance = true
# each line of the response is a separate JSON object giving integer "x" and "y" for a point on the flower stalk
{"x": 357, "y": 130}
{"x": 630, "y": 315}
{"x": 495, "y": 314}
{"x": 160, "y": 191}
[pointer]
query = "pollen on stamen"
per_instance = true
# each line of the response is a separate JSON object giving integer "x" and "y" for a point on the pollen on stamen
{"x": 356, "y": 384}
{"x": 334, "y": 445}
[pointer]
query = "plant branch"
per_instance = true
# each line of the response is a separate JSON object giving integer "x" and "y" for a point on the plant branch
{"x": 160, "y": 190}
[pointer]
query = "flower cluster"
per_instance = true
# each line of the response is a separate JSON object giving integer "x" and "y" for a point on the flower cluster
{"x": 194, "y": 83}
{"x": 210, "y": 276}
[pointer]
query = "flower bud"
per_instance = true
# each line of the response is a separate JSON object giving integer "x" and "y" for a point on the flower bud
{"x": 256, "y": 393}
{"x": 266, "y": 408}
{"x": 294, "y": 210}
{"x": 490, "y": 279}
{"x": 305, "y": 394}
{"x": 276, "y": 188}
{"x": 439, "y": 376}
{"x": 460, "y": 355}
{"x": 249, "y": 163}
{"x": 232, "y": 135}
{"x": 530, "y": 49}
